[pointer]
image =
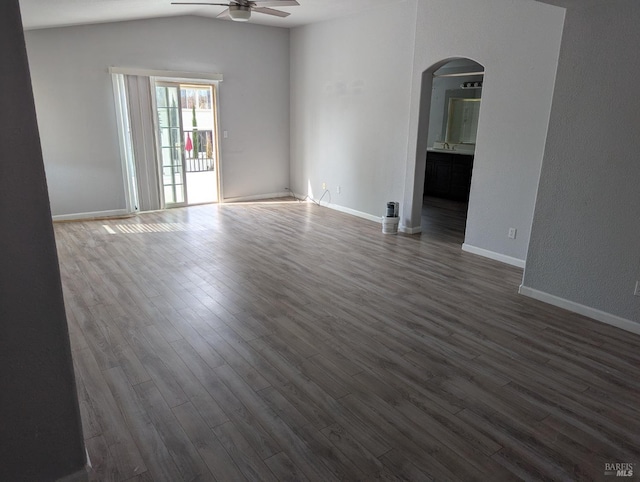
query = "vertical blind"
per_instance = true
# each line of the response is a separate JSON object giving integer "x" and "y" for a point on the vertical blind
{"x": 143, "y": 142}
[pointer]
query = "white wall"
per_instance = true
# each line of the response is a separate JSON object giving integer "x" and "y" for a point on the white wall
{"x": 517, "y": 42}
{"x": 584, "y": 246}
{"x": 356, "y": 99}
{"x": 75, "y": 107}
{"x": 351, "y": 86}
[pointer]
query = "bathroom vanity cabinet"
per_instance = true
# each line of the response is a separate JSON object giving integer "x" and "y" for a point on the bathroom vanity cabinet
{"x": 448, "y": 175}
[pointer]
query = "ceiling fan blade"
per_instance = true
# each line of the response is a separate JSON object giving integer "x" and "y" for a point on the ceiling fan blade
{"x": 199, "y": 3}
{"x": 276, "y": 3}
{"x": 224, "y": 14}
{"x": 270, "y": 11}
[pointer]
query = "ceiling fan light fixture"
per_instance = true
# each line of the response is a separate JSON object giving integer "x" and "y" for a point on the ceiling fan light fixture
{"x": 239, "y": 13}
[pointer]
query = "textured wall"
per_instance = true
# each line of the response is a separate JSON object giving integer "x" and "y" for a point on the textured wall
{"x": 584, "y": 246}
{"x": 40, "y": 433}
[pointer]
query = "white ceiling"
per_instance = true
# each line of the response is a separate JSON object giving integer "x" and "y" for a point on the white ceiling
{"x": 57, "y": 13}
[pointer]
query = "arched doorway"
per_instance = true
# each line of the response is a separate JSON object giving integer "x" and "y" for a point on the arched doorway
{"x": 450, "y": 106}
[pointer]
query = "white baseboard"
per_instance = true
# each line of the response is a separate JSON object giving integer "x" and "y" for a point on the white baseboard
{"x": 258, "y": 197}
{"x": 353, "y": 212}
{"x": 123, "y": 212}
{"x": 519, "y": 263}
{"x": 407, "y": 230}
{"x": 367, "y": 216}
{"x": 360, "y": 214}
{"x": 95, "y": 215}
{"x": 587, "y": 311}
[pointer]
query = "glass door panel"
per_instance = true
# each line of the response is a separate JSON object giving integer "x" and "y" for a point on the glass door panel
{"x": 171, "y": 148}
{"x": 200, "y": 141}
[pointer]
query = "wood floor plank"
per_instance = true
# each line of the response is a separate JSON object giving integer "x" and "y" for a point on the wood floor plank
{"x": 144, "y": 477}
{"x": 158, "y": 459}
{"x": 399, "y": 463}
{"x": 93, "y": 334}
{"x": 184, "y": 454}
{"x": 250, "y": 400}
{"x": 103, "y": 404}
{"x": 250, "y": 427}
{"x": 90, "y": 418}
{"x": 76, "y": 337}
{"x": 235, "y": 353}
{"x": 356, "y": 421}
{"x": 626, "y": 438}
{"x": 523, "y": 447}
{"x": 580, "y": 452}
{"x": 303, "y": 393}
{"x": 487, "y": 397}
{"x": 407, "y": 404}
{"x": 286, "y": 341}
{"x": 283, "y": 408}
{"x": 368, "y": 463}
{"x": 324, "y": 452}
{"x": 212, "y": 452}
{"x": 430, "y": 460}
{"x": 327, "y": 376}
{"x": 159, "y": 372}
{"x": 209, "y": 410}
{"x": 249, "y": 462}
{"x": 185, "y": 322}
{"x": 122, "y": 351}
{"x": 103, "y": 465}
{"x": 284, "y": 469}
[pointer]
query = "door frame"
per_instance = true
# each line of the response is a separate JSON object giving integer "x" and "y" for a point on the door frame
{"x": 159, "y": 160}
{"x": 195, "y": 81}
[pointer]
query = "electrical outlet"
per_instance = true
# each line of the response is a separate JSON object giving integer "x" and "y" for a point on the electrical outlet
{"x": 637, "y": 290}
{"x": 512, "y": 233}
{"x": 324, "y": 186}
{"x": 338, "y": 189}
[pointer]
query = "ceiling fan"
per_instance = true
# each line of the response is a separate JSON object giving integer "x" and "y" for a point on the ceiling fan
{"x": 240, "y": 10}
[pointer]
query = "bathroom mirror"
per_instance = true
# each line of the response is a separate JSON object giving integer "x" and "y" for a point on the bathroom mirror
{"x": 462, "y": 120}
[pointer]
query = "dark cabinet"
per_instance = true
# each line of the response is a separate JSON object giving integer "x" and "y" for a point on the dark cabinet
{"x": 448, "y": 175}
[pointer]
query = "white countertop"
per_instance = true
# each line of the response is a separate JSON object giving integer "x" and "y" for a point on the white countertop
{"x": 450, "y": 151}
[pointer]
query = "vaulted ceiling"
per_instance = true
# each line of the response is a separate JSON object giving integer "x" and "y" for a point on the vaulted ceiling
{"x": 56, "y": 13}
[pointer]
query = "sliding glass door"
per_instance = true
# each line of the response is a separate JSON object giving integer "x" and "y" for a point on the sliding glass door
{"x": 187, "y": 143}
{"x": 171, "y": 144}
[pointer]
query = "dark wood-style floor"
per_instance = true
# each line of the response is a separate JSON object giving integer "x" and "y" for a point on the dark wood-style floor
{"x": 292, "y": 342}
